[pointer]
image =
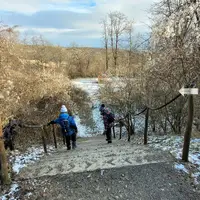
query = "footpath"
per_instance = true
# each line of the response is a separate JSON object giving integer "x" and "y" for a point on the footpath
{"x": 97, "y": 170}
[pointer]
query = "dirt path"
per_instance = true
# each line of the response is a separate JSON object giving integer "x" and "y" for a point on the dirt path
{"x": 97, "y": 170}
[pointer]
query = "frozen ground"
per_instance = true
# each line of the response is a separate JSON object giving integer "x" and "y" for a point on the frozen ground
{"x": 32, "y": 155}
{"x": 20, "y": 160}
{"x": 174, "y": 145}
{"x": 11, "y": 193}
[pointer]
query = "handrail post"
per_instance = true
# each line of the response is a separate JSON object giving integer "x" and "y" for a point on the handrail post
{"x": 129, "y": 129}
{"x": 146, "y": 126}
{"x": 120, "y": 130}
{"x": 43, "y": 138}
{"x": 54, "y": 136}
{"x": 114, "y": 136}
{"x": 3, "y": 159}
{"x": 186, "y": 145}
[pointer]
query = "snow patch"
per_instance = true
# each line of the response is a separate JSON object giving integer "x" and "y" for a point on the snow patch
{"x": 181, "y": 167}
{"x": 174, "y": 144}
{"x": 195, "y": 158}
{"x": 10, "y": 195}
{"x": 82, "y": 130}
{"x": 91, "y": 87}
{"x": 196, "y": 177}
{"x": 30, "y": 156}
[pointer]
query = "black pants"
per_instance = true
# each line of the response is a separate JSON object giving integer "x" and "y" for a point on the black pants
{"x": 70, "y": 138}
{"x": 8, "y": 143}
{"x": 108, "y": 135}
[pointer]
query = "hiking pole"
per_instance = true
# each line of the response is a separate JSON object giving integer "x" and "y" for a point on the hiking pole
{"x": 54, "y": 136}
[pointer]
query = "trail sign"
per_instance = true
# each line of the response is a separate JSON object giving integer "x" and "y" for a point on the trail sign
{"x": 189, "y": 91}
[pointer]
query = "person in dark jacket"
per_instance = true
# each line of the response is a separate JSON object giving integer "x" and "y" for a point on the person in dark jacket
{"x": 108, "y": 121}
{"x": 68, "y": 127}
{"x": 9, "y": 133}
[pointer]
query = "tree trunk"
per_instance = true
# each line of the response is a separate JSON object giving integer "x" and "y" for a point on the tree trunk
{"x": 3, "y": 159}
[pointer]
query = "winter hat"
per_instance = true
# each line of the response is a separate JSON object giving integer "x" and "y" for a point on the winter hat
{"x": 101, "y": 107}
{"x": 63, "y": 109}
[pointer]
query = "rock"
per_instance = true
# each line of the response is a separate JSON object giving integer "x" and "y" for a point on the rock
{"x": 102, "y": 172}
{"x": 97, "y": 189}
{"x": 89, "y": 176}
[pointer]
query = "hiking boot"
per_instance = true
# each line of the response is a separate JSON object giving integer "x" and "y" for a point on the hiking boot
{"x": 74, "y": 145}
{"x": 109, "y": 142}
{"x": 69, "y": 148}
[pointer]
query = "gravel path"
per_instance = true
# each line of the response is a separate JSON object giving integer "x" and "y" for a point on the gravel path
{"x": 157, "y": 181}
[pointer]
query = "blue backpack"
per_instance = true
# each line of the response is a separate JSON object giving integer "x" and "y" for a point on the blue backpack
{"x": 65, "y": 125}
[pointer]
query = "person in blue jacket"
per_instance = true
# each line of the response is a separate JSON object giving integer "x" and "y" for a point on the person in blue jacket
{"x": 68, "y": 126}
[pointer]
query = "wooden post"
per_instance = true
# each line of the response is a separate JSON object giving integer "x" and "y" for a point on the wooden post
{"x": 120, "y": 130}
{"x": 114, "y": 136}
{"x": 133, "y": 126}
{"x": 3, "y": 159}
{"x": 186, "y": 145}
{"x": 129, "y": 129}
{"x": 43, "y": 138}
{"x": 54, "y": 135}
{"x": 146, "y": 126}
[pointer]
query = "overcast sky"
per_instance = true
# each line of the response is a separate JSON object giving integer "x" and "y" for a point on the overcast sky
{"x": 63, "y": 22}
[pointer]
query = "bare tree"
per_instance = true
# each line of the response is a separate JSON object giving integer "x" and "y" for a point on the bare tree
{"x": 115, "y": 27}
{"x": 130, "y": 41}
{"x": 105, "y": 40}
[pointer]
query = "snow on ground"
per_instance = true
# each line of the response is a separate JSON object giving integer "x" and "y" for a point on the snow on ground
{"x": 82, "y": 129}
{"x": 181, "y": 167}
{"x": 11, "y": 193}
{"x": 174, "y": 144}
{"x": 91, "y": 87}
{"x": 21, "y": 160}
{"x": 32, "y": 154}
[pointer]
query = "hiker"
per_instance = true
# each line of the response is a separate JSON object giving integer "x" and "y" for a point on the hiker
{"x": 68, "y": 126}
{"x": 9, "y": 133}
{"x": 108, "y": 119}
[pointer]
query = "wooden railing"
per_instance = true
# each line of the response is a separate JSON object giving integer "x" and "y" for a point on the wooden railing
{"x": 4, "y": 173}
{"x": 187, "y": 135}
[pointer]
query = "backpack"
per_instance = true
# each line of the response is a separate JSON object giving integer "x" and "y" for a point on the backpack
{"x": 111, "y": 117}
{"x": 65, "y": 125}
